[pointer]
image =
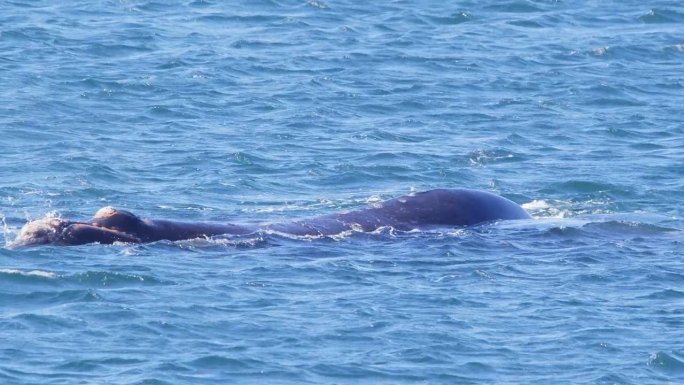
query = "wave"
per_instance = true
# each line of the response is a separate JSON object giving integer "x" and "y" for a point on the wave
{"x": 27, "y": 273}
{"x": 671, "y": 362}
{"x": 658, "y": 16}
{"x": 88, "y": 279}
{"x": 596, "y": 227}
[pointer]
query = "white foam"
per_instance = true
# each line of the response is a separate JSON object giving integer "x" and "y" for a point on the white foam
{"x": 218, "y": 241}
{"x": 35, "y": 273}
{"x": 374, "y": 199}
{"x": 536, "y": 205}
{"x": 543, "y": 209}
{"x": 6, "y": 231}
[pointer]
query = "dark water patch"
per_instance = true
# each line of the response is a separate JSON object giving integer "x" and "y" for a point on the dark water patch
{"x": 670, "y": 363}
{"x": 258, "y": 44}
{"x": 586, "y": 259}
{"x": 20, "y": 280}
{"x": 663, "y": 276}
{"x": 52, "y": 298}
{"x": 669, "y": 294}
{"x": 152, "y": 7}
{"x": 249, "y": 20}
{"x": 174, "y": 63}
{"x": 519, "y": 139}
{"x": 352, "y": 370}
{"x": 25, "y": 34}
{"x": 656, "y": 16}
{"x": 526, "y": 23}
{"x": 610, "y": 96}
{"x": 105, "y": 173}
{"x": 516, "y": 6}
{"x": 171, "y": 112}
{"x": 116, "y": 50}
{"x": 113, "y": 280}
{"x": 153, "y": 381}
{"x": 506, "y": 102}
{"x": 225, "y": 363}
{"x": 435, "y": 355}
{"x": 626, "y": 229}
{"x": 10, "y": 378}
{"x": 453, "y": 19}
{"x": 103, "y": 84}
{"x": 608, "y": 231}
{"x": 621, "y": 133}
{"x": 615, "y": 102}
{"x": 90, "y": 365}
{"x": 49, "y": 323}
{"x": 594, "y": 278}
{"x": 173, "y": 367}
{"x": 586, "y": 187}
{"x": 383, "y": 135}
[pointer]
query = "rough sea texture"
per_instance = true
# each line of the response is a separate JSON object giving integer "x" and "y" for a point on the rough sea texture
{"x": 262, "y": 111}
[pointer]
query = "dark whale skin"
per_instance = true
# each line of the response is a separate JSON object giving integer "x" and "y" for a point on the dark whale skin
{"x": 434, "y": 208}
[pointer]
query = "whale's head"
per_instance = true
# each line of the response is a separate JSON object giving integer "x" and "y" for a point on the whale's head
{"x": 41, "y": 232}
{"x": 109, "y": 225}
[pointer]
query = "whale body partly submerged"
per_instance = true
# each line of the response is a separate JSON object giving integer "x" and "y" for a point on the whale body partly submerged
{"x": 434, "y": 208}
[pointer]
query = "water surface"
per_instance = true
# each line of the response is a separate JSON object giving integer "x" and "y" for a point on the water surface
{"x": 262, "y": 111}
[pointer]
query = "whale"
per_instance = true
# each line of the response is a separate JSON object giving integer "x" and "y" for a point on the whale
{"x": 423, "y": 210}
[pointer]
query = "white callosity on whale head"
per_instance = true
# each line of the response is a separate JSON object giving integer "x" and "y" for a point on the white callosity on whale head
{"x": 41, "y": 231}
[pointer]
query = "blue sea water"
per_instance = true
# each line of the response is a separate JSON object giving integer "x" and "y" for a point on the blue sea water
{"x": 262, "y": 111}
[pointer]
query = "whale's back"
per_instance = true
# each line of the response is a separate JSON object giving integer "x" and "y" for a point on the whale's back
{"x": 452, "y": 207}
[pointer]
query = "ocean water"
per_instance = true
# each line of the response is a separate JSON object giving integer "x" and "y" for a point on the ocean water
{"x": 264, "y": 111}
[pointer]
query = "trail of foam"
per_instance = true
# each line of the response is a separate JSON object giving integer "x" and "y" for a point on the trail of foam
{"x": 30, "y": 273}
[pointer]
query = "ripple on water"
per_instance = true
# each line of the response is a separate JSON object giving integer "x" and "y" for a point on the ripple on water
{"x": 656, "y": 16}
{"x": 48, "y": 323}
{"x": 113, "y": 279}
{"x": 19, "y": 280}
{"x": 49, "y": 298}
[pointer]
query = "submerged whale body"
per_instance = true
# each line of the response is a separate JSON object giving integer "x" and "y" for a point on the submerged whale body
{"x": 434, "y": 208}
